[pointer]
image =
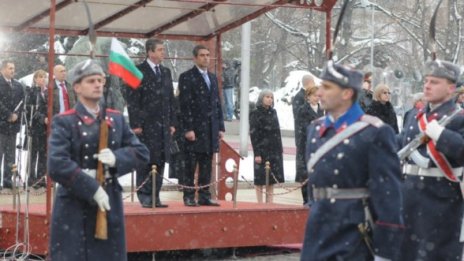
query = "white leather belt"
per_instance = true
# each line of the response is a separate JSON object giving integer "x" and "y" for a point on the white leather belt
{"x": 339, "y": 193}
{"x": 414, "y": 170}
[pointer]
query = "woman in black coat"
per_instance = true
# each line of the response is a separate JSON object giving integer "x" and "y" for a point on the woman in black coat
{"x": 36, "y": 104}
{"x": 382, "y": 108}
{"x": 267, "y": 144}
{"x": 309, "y": 111}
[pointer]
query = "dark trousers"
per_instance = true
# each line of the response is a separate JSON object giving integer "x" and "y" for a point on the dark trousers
{"x": 145, "y": 192}
{"x": 204, "y": 174}
{"x": 304, "y": 193}
{"x": 38, "y": 159}
{"x": 8, "y": 151}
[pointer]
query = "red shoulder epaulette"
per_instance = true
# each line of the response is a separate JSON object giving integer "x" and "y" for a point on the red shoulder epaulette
{"x": 68, "y": 112}
{"x": 113, "y": 111}
{"x": 372, "y": 120}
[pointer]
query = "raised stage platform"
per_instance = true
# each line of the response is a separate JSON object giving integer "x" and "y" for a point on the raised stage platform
{"x": 179, "y": 227}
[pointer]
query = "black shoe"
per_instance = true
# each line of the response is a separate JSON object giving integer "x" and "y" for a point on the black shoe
{"x": 190, "y": 202}
{"x": 160, "y": 205}
{"x": 208, "y": 202}
{"x": 147, "y": 205}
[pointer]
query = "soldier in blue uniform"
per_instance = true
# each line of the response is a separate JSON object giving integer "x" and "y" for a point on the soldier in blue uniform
{"x": 73, "y": 155}
{"x": 432, "y": 198}
{"x": 354, "y": 177}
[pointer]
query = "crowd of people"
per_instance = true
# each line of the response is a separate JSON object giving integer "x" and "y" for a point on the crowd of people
{"x": 365, "y": 203}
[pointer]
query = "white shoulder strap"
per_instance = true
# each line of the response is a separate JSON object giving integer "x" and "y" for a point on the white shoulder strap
{"x": 334, "y": 141}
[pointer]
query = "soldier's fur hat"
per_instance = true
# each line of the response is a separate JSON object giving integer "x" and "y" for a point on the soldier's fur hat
{"x": 342, "y": 76}
{"x": 83, "y": 69}
{"x": 443, "y": 69}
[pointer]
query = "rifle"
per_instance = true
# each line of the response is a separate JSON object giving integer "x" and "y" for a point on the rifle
{"x": 101, "y": 228}
{"x": 421, "y": 138}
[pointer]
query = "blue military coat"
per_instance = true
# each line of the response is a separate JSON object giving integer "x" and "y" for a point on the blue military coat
{"x": 433, "y": 206}
{"x": 73, "y": 143}
{"x": 365, "y": 160}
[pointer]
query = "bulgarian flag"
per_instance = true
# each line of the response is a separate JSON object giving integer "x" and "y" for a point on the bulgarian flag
{"x": 122, "y": 66}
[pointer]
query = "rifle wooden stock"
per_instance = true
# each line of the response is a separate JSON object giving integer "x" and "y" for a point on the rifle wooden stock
{"x": 101, "y": 229}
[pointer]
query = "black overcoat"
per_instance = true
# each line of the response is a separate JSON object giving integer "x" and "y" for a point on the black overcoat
{"x": 36, "y": 114}
{"x": 298, "y": 101}
{"x": 201, "y": 111}
{"x": 151, "y": 107}
{"x": 10, "y": 97}
{"x": 267, "y": 142}
{"x": 385, "y": 112}
{"x": 306, "y": 115}
{"x": 72, "y": 144}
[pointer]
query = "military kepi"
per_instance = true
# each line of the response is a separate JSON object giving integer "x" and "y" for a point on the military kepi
{"x": 83, "y": 69}
{"x": 443, "y": 69}
{"x": 342, "y": 76}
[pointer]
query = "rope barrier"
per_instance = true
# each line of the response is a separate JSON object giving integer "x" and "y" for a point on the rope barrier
{"x": 34, "y": 192}
{"x": 289, "y": 190}
{"x": 178, "y": 185}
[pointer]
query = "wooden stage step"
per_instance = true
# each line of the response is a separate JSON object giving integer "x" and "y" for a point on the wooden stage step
{"x": 180, "y": 228}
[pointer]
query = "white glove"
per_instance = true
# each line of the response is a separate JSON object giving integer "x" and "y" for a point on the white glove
{"x": 378, "y": 258}
{"x": 434, "y": 130}
{"x": 106, "y": 156}
{"x": 102, "y": 199}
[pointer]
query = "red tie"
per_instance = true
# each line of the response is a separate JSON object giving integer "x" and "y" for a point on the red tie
{"x": 65, "y": 96}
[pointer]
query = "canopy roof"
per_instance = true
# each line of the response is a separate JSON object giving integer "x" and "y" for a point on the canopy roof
{"x": 170, "y": 19}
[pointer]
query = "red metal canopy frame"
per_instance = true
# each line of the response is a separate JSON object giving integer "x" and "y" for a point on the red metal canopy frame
{"x": 34, "y": 23}
{"x": 118, "y": 9}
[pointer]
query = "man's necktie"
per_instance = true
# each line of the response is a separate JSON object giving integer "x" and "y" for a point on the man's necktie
{"x": 65, "y": 96}
{"x": 157, "y": 71}
{"x": 208, "y": 82}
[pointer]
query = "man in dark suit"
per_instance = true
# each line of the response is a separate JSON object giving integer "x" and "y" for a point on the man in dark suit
{"x": 63, "y": 94}
{"x": 298, "y": 102}
{"x": 11, "y": 98}
{"x": 152, "y": 118}
{"x": 202, "y": 123}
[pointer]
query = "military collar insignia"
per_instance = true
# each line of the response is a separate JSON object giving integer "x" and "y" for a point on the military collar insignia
{"x": 445, "y": 108}
{"x": 87, "y": 119}
{"x": 351, "y": 116}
